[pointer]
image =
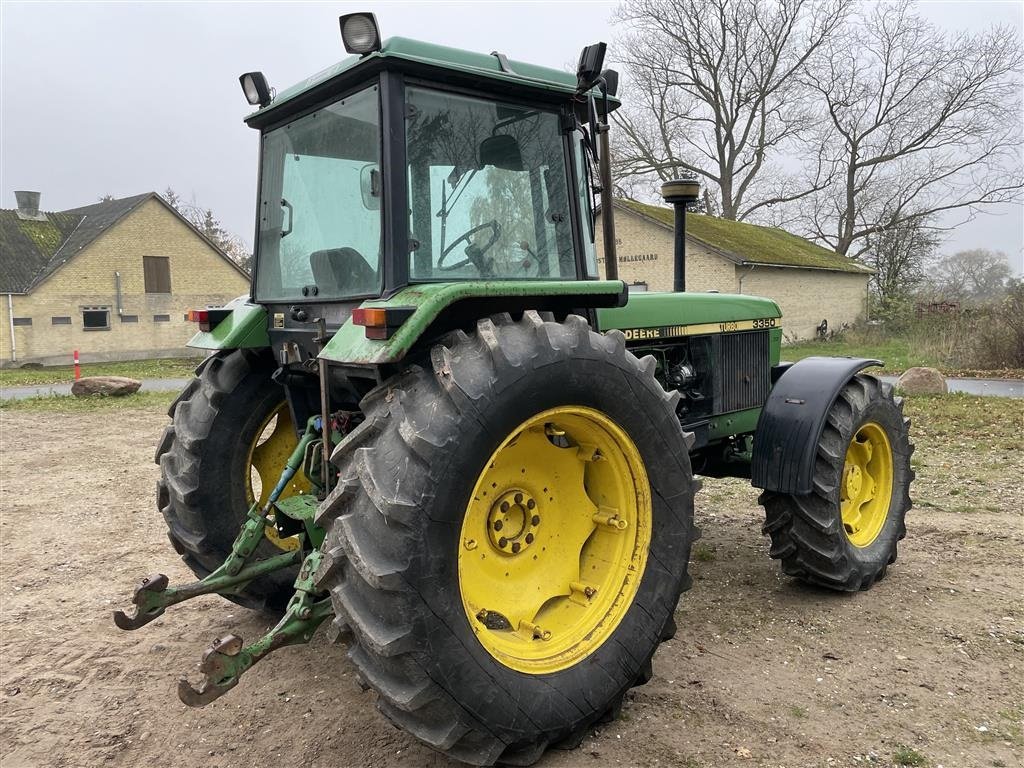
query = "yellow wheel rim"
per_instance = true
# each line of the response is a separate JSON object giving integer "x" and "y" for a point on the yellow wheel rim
{"x": 273, "y": 444}
{"x": 555, "y": 538}
{"x": 866, "y": 487}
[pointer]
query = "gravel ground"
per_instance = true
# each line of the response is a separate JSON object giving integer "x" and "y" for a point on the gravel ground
{"x": 925, "y": 669}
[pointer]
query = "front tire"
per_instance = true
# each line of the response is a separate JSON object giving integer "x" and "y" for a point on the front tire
{"x": 409, "y": 525}
{"x": 844, "y": 534}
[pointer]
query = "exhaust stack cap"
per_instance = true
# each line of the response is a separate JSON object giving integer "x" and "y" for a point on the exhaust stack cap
{"x": 28, "y": 206}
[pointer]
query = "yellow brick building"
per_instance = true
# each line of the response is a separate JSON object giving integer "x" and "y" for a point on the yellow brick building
{"x": 809, "y": 283}
{"x": 112, "y": 280}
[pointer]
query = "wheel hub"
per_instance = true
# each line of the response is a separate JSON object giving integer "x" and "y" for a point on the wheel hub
{"x": 867, "y": 483}
{"x": 554, "y": 540}
{"x": 513, "y": 522}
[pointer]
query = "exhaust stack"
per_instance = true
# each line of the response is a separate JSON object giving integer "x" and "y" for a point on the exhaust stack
{"x": 679, "y": 193}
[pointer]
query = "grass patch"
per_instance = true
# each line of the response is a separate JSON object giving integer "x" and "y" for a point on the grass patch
{"x": 908, "y": 756}
{"x": 163, "y": 368}
{"x": 702, "y": 553}
{"x": 798, "y": 712}
{"x": 70, "y": 404}
{"x": 898, "y": 354}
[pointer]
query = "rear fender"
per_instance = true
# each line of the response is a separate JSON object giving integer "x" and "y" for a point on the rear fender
{"x": 244, "y": 328}
{"x": 793, "y": 418}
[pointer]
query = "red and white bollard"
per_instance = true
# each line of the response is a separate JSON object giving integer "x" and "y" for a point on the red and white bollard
{"x": 78, "y": 368}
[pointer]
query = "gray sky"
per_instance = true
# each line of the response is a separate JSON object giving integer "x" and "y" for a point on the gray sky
{"x": 123, "y": 98}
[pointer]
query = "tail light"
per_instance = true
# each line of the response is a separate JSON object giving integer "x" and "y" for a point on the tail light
{"x": 381, "y": 322}
{"x": 208, "y": 319}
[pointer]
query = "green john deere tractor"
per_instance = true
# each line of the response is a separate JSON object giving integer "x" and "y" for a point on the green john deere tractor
{"x": 434, "y": 427}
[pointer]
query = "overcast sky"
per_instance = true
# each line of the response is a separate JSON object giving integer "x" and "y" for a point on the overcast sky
{"x": 123, "y": 98}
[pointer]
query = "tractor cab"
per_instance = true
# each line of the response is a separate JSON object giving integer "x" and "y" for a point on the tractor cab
{"x": 412, "y": 163}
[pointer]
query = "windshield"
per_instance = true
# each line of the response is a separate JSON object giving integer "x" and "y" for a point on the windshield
{"x": 320, "y": 218}
{"x": 487, "y": 190}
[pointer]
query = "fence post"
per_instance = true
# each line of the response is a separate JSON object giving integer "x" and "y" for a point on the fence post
{"x": 78, "y": 368}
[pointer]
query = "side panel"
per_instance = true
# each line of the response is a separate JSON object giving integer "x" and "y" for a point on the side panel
{"x": 792, "y": 420}
{"x": 429, "y": 300}
{"x": 656, "y": 316}
{"x": 245, "y": 327}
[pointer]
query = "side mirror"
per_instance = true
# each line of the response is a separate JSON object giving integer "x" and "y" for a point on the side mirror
{"x": 369, "y": 186}
{"x": 589, "y": 67}
{"x": 501, "y": 151}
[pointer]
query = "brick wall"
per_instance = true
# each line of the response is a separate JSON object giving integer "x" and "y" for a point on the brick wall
{"x": 199, "y": 277}
{"x": 645, "y": 254}
{"x": 808, "y": 296}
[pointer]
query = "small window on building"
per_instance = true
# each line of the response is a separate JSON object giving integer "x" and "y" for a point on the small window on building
{"x": 60, "y": 320}
{"x": 129, "y": 318}
{"x": 156, "y": 271}
{"x": 22, "y": 321}
{"x": 96, "y": 319}
{"x": 161, "y": 318}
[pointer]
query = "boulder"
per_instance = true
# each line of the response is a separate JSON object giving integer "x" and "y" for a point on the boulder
{"x": 114, "y": 386}
{"x": 922, "y": 381}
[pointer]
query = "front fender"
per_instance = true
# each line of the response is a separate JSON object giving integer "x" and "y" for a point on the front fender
{"x": 793, "y": 418}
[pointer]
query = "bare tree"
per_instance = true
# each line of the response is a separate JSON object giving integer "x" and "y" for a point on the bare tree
{"x": 712, "y": 91}
{"x": 210, "y": 226}
{"x": 899, "y": 255}
{"x": 918, "y": 123}
{"x": 977, "y": 274}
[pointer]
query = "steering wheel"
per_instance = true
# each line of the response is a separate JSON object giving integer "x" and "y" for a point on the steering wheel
{"x": 474, "y": 253}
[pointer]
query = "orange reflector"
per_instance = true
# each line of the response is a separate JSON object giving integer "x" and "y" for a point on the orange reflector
{"x": 374, "y": 317}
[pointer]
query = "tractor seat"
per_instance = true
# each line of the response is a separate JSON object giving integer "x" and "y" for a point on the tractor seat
{"x": 342, "y": 271}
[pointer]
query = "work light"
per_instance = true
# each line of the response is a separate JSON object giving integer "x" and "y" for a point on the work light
{"x": 255, "y": 88}
{"x": 359, "y": 32}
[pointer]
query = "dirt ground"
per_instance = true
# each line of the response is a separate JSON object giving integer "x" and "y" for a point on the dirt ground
{"x": 925, "y": 669}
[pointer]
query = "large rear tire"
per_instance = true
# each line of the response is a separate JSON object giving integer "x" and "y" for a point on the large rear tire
{"x": 229, "y": 437}
{"x": 521, "y": 467}
{"x": 844, "y": 534}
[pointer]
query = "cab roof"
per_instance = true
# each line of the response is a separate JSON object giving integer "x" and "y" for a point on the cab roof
{"x": 416, "y": 54}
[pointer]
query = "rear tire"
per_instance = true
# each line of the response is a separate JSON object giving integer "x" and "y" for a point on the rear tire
{"x": 395, "y": 536}
{"x": 203, "y": 457}
{"x": 809, "y": 533}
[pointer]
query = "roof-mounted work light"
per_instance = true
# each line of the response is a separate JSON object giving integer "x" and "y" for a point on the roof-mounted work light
{"x": 255, "y": 88}
{"x": 360, "y": 33}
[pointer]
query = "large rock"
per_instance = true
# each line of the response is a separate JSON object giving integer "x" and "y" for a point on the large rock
{"x": 115, "y": 386}
{"x": 922, "y": 381}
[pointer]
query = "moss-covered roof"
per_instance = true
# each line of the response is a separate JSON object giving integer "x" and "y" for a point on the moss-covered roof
{"x": 749, "y": 243}
{"x": 27, "y": 246}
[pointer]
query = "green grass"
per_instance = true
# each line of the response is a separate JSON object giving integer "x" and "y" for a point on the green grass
{"x": 165, "y": 368}
{"x": 69, "y": 404}
{"x": 898, "y": 354}
{"x": 908, "y": 756}
{"x": 799, "y": 712}
{"x": 702, "y": 553}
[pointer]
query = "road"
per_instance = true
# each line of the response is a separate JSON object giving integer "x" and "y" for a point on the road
{"x": 996, "y": 387}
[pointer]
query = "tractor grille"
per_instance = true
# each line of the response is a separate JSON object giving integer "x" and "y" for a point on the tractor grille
{"x": 745, "y": 372}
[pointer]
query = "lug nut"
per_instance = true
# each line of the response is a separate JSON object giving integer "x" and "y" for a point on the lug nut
{"x": 504, "y": 506}
{"x": 498, "y": 525}
{"x": 531, "y": 504}
{"x": 516, "y": 546}
{"x": 529, "y": 538}
{"x": 519, "y": 498}
{"x": 502, "y": 542}
{"x": 535, "y": 520}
